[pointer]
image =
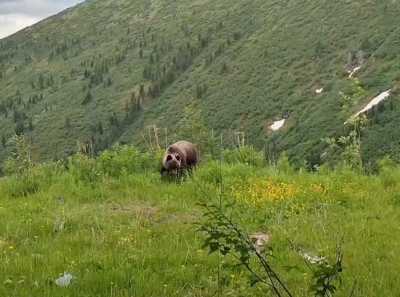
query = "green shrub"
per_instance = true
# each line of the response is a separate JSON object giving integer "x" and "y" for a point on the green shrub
{"x": 20, "y": 160}
{"x": 83, "y": 169}
{"x": 210, "y": 173}
{"x": 22, "y": 185}
{"x": 213, "y": 173}
{"x": 284, "y": 165}
{"x": 388, "y": 172}
{"x": 32, "y": 180}
{"x": 24, "y": 177}
{"x": 129, "y": 160}
{"x": 245, "y": 155}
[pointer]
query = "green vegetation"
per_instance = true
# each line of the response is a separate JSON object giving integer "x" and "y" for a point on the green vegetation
{"x": 75, "y": 198}
{"x": 120, "y": 231}
{"x": 105, "y": 71}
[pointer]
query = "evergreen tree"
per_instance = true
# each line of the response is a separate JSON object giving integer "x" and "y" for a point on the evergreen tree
{"x": 100, "y": 129}
{"x": 30, "y": 125}
{"x": 3, "y": 141}
{"x": 19, "y": 128}
{"x": 142, "y": 93}
{"x": 67, "y": 123}
{"x": 87, "y": 98}
{"x": 41, "y": 82}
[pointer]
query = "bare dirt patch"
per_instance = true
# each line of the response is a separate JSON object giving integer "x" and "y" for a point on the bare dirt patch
{"x": 139, "y": 210}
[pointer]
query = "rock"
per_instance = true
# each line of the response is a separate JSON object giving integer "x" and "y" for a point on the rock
{"x": 312, "y": 259}
{"x": 354, "y": 71}
{"x": 65, "y": 280}
{"x": 260, "y": 241}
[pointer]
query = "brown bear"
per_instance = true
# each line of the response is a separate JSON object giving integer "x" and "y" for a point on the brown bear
{"x": 180, "y": 156}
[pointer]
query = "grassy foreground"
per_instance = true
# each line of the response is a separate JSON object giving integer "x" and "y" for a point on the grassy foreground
{"x": 121, "y": 231}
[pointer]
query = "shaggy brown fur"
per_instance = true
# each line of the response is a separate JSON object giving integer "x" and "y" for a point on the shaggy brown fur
{"x": 179, "y": 156}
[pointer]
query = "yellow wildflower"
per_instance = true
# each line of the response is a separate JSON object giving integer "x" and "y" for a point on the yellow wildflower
{"x": 258, "y": 192}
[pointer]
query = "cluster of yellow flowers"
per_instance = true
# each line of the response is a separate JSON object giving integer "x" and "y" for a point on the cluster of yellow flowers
{"x": 260, "y": 191}
{"x": 6, "y": 245}
{"x": 319, "y": 189}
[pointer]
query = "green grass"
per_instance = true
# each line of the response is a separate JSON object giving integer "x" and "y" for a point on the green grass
{"x": 254, "y": 61}
{"x": 130, "y": 234}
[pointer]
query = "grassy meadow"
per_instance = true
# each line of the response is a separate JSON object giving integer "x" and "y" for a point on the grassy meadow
{"x": 147, "y": 73}
{"x": 120, "y": 230}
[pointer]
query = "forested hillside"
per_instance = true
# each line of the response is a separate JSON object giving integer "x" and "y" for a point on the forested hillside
{"x": 106, "y": 71}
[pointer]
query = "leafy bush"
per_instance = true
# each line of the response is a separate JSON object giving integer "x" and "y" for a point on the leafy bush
{"x": 22, "y": 185}
{"x": 127, "y": 159}
{"x": 231, "y": 173}
{"x": 30, "y": 181}
{"x": 83, "y": 169}
{"x": 284, "y": 165}
{"x": 246, "y": 155}
{"x": 20, "y": 160}
{"x": 24, "y": 178}
{"x": 225, "y": 236}
{"x": 389, "y": 173}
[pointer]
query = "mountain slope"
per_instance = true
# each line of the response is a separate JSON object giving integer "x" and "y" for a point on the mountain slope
{"x": 106, "y": 70}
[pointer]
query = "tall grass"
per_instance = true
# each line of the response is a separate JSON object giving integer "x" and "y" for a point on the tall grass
{"x": 120, "y": 231}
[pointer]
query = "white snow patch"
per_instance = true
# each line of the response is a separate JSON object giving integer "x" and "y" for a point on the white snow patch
{"x": 378, "y": 99}
{"x": 277, "y": 125}
{"x": 65, "y": 280}
{"x": 354, "y": 71}
{"x": 319, "y": 91}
